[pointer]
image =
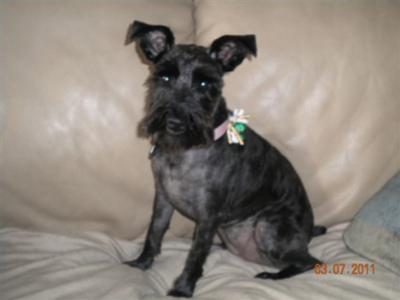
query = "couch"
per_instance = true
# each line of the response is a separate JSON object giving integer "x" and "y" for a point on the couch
{"x": 75, "y": 183}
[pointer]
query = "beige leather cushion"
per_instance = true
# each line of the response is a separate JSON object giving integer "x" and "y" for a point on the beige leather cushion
{"x": 324, "y": 89}
{"x": 71, "y": 96}
{"x": 41, "y": 266}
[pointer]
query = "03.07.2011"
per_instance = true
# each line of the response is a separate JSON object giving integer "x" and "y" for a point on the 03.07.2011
{"x": 356, "y": 269}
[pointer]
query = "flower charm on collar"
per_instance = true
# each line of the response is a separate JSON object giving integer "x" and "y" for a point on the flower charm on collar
{"x": 237, "y": 126}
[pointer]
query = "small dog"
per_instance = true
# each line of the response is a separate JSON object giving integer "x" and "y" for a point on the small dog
{"x": 246, "y": 192}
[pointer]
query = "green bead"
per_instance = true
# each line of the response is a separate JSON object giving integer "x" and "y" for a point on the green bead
{"x": 240, "y": 127}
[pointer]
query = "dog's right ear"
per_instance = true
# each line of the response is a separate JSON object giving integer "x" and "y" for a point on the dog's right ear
{"x": 154, "y": 40}
{"x": 230, "y": 50}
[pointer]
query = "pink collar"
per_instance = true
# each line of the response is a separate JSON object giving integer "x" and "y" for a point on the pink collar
{"x": 221, "y": 130}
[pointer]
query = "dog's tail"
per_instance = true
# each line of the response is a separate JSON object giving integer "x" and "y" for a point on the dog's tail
{"x": 318, "y": 230}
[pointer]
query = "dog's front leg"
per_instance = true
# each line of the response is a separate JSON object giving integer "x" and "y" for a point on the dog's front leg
{"x": 161, "y": 217}
{"x": 203, "y": 238}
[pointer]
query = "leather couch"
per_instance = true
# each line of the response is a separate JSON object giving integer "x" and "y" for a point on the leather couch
{"x": 324, "y": 89}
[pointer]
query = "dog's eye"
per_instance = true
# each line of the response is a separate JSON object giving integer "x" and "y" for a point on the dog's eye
{"x": 204, "y": 84}
{"x": 165, "y": 78}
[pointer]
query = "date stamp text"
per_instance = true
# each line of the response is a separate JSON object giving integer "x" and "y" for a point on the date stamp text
{"x": 355, "y": 269}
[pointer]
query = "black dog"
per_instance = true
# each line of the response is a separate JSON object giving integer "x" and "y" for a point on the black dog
{"x": 249, "y": 194}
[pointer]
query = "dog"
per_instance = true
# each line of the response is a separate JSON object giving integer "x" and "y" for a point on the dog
{"x": 244, "y": 191}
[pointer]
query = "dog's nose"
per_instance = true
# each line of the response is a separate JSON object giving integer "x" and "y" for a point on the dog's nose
{"x": 175, "y": 126}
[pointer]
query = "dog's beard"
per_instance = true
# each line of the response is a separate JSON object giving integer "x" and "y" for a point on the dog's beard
{"x": 198, "y": 129}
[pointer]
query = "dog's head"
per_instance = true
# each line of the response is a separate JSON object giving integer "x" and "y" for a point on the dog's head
{"x": 185, "y": 100}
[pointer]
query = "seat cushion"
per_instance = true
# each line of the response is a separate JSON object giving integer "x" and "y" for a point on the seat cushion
{"x": 39, "y": 266}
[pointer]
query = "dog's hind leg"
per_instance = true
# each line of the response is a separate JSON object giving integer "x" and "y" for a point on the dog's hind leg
{"x": 283, "y": 245}
{"x": 298, "y": 263}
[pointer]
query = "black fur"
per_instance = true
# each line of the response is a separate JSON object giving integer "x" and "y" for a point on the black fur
{"x": 249, "y": 195}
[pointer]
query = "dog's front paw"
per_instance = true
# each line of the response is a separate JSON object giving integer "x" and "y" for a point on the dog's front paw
{"x": 182, "y": 287}
{"x": 142, "y": 264}
{"x": 180, "y": 293}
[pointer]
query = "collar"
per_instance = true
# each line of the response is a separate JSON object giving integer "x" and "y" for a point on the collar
{"x": 229, "y": 127}
{"x": 218, "y": 133}
{"x": 221, "y": 130}
{"x": 234, "y": 127}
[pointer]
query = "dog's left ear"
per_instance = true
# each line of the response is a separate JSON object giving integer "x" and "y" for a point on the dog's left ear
{"x": 154, "y": 40}
{"x": 230, "y": 50}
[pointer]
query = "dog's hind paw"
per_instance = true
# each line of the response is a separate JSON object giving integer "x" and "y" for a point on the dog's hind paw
{"x": 264, "y": 275}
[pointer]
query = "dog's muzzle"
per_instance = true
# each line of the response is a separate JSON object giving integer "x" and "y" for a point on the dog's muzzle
{"x": 175, "y": 126}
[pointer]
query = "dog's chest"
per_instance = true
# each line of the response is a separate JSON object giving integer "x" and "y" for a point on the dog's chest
{"x": 185, "y": 180}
